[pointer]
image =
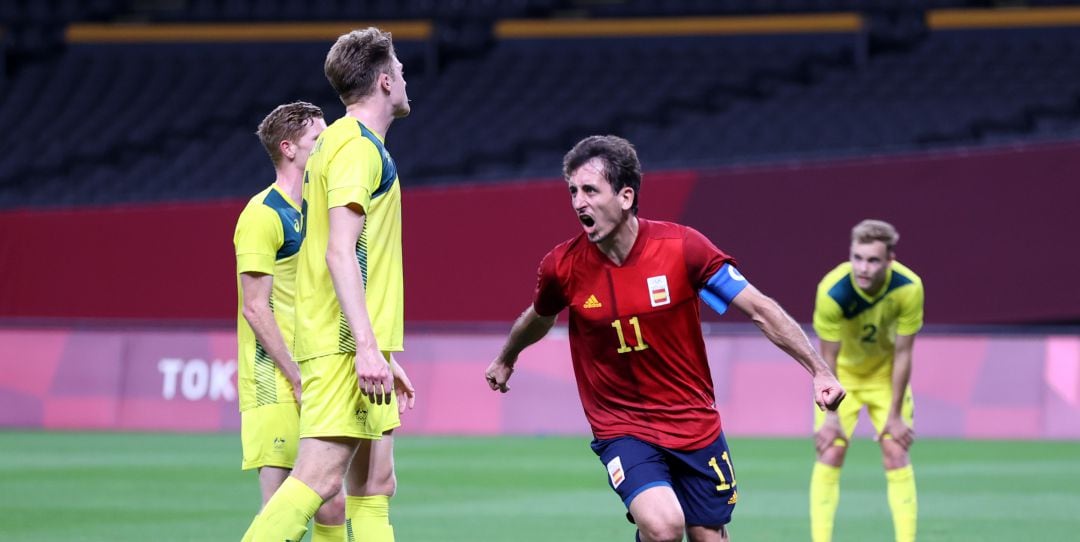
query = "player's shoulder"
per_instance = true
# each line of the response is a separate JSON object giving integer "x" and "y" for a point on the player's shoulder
{"x": 568, "y": 249}
{"x": 661, "y": 229}
{"x": 836, "y": 284}
{"x": 256, "y": 205}
{"x": 835, "y": 275}
{"x": 343, "y": 132}
{"x": 902, "y": 275}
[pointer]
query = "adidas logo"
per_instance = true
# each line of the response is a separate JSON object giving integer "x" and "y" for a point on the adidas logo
{"x": 592, "y": 303}
{"x": 734, "y": 498}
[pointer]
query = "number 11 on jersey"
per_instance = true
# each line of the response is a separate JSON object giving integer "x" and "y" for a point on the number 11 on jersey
{"x": 623, "y": 347}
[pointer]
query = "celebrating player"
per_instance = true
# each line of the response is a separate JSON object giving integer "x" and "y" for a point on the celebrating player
{"x": 632, "y": 287}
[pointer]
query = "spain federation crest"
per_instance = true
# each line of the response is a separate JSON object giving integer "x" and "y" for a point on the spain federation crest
{"x": 658, "y": 291}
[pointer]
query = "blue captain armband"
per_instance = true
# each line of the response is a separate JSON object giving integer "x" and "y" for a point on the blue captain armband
{"x": 722, "y": 287}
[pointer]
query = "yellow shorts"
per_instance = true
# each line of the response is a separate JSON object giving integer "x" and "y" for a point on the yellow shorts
{"x": 268, "y": 436}
{"x": 333, "y": 405}
{"x": 876, "y": 395}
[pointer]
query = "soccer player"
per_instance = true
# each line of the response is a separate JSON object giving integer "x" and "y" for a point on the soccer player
{"x": 866, "y": 314}
{"x": 632, "y": 286}
{"x": 267, "y": 241}
{"x": 349, "y": 308}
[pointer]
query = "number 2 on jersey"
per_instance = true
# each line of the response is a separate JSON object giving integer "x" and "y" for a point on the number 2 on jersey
{"x": 623, "y": 347}
{"x": 723, "y": 485}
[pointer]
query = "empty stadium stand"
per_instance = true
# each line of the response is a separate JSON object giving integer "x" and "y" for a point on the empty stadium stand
{"x": 97, "y": 123}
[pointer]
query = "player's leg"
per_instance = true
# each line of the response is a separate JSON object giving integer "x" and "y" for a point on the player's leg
{"x": 329, "y": 523}
{"x": 658, "y": 516}
{"x": 268, "y": 436}
{"x": 899, "y": 474}
{"x": 271, "y": 478}
{"x": 316, "y": 478}
{"x": 825, "y": 477}
{"x": 704, "y": 482}
{"x": 639, "y": 474}
{"x": 369, "y": 484}
{"x": 370, "y": 480}
{"x": 329, "y": 429}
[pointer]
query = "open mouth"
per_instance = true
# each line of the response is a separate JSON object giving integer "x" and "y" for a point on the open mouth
{"x": 587, "y": 220}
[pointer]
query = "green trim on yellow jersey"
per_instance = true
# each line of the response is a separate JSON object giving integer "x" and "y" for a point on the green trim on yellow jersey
{"x": 866, "y": 325}
{"x": 350, "y": 167}
{"x": 267, "y": 241}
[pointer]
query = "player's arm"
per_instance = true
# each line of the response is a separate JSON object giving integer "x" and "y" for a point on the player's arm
{"x": 255, "y": 289}
{"x": 831, "y": 430}
{"x": 785, "y": 333}
{"x": 901, "y": 377}
{"x": 372, "y": 371}
{"x": 527, "y": 329}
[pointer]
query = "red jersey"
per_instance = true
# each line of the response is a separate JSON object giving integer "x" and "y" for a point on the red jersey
{"x": 635, "y": 333}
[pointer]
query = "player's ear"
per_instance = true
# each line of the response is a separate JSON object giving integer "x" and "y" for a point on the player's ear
{"x": 626, "y": 198}
{"x": 287, "y": 149}
{"x": 385, "y": 81}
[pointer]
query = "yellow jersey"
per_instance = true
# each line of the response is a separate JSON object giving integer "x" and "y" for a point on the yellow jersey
{"x": 350, "y": 165}
{"x": 866, "y": 325}
{"x": 267, "y": 241}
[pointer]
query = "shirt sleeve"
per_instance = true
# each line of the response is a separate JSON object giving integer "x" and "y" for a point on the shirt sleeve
{"x": 257, "y": 239}
{"x": 353, "y": 174}
{"x": 703, "y": 259}
{"x": 911, "y": 311}
{"x": 827, "y": 316}
{"x": 550, "y": 298}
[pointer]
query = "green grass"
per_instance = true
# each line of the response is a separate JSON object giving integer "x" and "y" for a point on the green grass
{"x": 120, "y": 487}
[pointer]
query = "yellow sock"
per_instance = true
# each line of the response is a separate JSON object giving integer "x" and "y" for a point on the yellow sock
{"x": 902, "y": 502}
{"x": 824, "y": 498}
{"x": 328, "y": 533}
{"x": 367, "y": 519}
{"x": 286, "y": 515}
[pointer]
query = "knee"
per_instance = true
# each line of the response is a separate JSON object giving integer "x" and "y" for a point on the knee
{"x": 662, "y": 527}
{"x": 895, "y": 459}
{"x": 328, "y": 487}
{"x": 383, "y": 484}
{"x": 833, "y": 455}
{"x": 332, "y": 511}
{"x": 893, "y": 456}
{"x": 662, "y": 531}
{"x": 386, "y": 486}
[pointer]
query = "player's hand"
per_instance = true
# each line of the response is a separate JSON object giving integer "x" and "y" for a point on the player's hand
{"x": 498, "y": 374}
{"x": 406, "y": 394}
{"x": 900, "y": 432}
{"x": 829, "y": 433}
{"x": 291, "y": 372}
{"x": 296, "y": 388}
{"x": 373, "y": 376}
{"x": 828, "y": 393}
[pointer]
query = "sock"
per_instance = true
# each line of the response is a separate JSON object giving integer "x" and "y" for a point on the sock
{"x": 367, "y": 519}
{"x": 286, "y": 514}
{"x": 902, "y": 502}
{"x": 328, "y": 533}
{"x": 824, "y": 498}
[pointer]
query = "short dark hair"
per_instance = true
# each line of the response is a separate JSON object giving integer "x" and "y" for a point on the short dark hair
{"x": 285, "y": 122}
{"x": 355, "y": 61}
{"x": 621, "y": 165}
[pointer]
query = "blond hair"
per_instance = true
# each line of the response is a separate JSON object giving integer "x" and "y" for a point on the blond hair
{"x": 871, "y": 230}
{"x": 355, "y": 61}
{"x": 285, "y": 123}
